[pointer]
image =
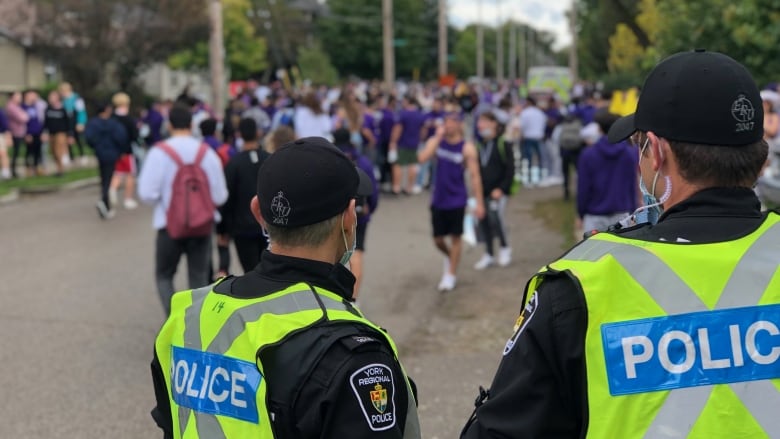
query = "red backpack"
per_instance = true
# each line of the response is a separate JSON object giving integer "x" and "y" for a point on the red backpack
{"x": 191, "y": 211}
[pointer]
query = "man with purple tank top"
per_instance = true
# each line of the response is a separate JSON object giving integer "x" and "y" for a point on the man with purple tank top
{"x": 454, "y": 156}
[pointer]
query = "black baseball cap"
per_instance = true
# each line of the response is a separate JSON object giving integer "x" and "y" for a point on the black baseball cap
{"x": 697, "y": 97}
{"x": 308, "y": 181}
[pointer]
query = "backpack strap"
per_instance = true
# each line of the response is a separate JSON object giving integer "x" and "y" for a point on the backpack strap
{"x": 171, "y": 153}
{"x": 201, "y": 153}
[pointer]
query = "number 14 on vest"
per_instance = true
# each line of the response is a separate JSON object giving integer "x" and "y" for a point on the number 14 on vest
{"x": 696, "y": 349}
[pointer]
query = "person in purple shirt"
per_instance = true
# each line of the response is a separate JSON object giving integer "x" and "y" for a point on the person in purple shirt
{"x": 34, "y": 156}
{"x": 208, "y": 129}
{"x": 365, "y": 208}
{"x": 385, "y": 122}
{"x": 454, "y": 156}
{"x": 154, "y": 121}
{"x": 404, "y": 142}
{"x": 433, "y": 119}
{"x": 607, "y": 189}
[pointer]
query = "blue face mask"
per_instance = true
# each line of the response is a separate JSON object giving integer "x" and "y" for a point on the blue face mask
{"x": 649, "y": 215}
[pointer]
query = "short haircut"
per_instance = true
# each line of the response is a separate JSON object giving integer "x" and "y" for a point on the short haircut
{"x": 180, "y": 117}
{"x": 312, "y": 235}
{"x": 247, "y": 127}
{"x": 279, "y": 137}
{"x": 720, "y": 166}
{"x": 120, "y": 99}
{"x": 604, "y": 119}
{"x": 208, "y": 127}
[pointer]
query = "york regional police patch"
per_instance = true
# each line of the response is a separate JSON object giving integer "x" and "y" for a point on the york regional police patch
{"x": 375, "y": 391}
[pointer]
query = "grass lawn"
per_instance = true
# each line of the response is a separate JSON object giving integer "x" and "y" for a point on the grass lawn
{"x": 47, "y": 181}
{"x": 559, "y": 216}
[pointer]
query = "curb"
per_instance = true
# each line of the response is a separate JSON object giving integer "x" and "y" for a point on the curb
{"x": 40, "y": 190}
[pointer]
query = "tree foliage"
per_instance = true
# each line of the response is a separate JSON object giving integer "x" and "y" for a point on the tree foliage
{"x": 91, "y": 40}
{"x": 245, "y": 52}
{"x": 315, "y": 65}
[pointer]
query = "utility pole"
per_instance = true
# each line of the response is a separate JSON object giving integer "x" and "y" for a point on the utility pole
{"x": 573, "y": 59}
{"x": 512, "y": 50}
{"x": 524, "y": 52}
{"x": 499, "y": 45}
{"x": 216, "y": 57}
{"x": 387, "y": 43}
{"x": 442, "y": 38}
{"x": 480, "y": 43}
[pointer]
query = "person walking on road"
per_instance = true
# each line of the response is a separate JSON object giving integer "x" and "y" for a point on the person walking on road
{"x": 454, "y": 157}
{"x": 281, "y": 352}
{"x": 365, "y": 206}
{"x": 669, "y": 330}
{"x": 107, "y": 138}
{"x": 126, "y": 165}
{"x": 404, "y": 143}
{"x": 497, "y": 171}
{"x": 158, "y": 186}
{"x": 533, "y": 123}
{"x": 607, "y": 191}
{"x": 241, "y": 177}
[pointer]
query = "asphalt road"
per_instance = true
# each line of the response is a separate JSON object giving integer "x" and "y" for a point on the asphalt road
{"x": 79, "y": 313}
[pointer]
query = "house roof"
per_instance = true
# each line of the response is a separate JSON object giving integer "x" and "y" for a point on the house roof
{"x": 5, "y": 32}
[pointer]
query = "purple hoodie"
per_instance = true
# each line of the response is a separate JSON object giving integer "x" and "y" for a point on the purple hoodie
{"x": 607, "y": 179}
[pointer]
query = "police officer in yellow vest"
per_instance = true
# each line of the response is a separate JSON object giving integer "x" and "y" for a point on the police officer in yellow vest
{"x": 281, "y": 352}
{"x": 669, "y": 330}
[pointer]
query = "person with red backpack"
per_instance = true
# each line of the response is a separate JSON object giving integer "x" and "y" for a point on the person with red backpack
{"x": 182, "y": 178}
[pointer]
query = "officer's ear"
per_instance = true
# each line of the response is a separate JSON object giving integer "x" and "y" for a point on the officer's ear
{"x": 254, "y": 206}
{"x": 658, "y": 149}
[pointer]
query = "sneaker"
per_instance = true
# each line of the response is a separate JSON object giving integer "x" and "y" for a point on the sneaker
{"x": 447, "y": 282}
{"x": 112, "y": 197}
{"x": 84, "y": 161}
{"x": 504, "y": 256}
{"x": 485, "y": 262}
{"x": 102, "y": 209}
{"x": 416, "y": 190}
{"x": 111, "y": 213}
{"x": 130, "y": 204}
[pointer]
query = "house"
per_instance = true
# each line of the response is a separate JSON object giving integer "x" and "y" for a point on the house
{"x": 20, "y": 68}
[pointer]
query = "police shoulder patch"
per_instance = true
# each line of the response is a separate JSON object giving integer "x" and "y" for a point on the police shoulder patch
{"x": 522, "y": 321}
{"x": 374, "y": 389}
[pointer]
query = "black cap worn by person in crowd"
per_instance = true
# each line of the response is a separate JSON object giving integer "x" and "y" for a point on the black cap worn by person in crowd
{"x": 697, "y": 97}
{"x": 308, "y": 181}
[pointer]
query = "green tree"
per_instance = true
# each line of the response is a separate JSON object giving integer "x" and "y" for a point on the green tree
{"x": 315, "y": 65}
{"x": 245, "y": 51}
{"x": 351, "y": 33}
{"x": 747, "y": 31}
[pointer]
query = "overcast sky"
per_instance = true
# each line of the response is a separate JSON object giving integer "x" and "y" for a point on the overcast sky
{"x": 542, "y": 14}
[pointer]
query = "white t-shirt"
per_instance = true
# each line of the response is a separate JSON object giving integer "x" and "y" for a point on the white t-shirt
{"x": 308, "y": 124}
{"x": 533, "y": 122}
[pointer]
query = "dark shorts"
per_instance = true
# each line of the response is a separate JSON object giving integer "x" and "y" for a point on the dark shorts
{"x": 407, "y": 156}
{"x": 447, "y": 221}
{"x": 360, "y": 237}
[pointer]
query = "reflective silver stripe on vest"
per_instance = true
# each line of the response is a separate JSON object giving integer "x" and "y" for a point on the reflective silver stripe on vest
{"x": 412, "y": 424}
{"x": 305, "y": 300}
{"x": 745, "y": 287}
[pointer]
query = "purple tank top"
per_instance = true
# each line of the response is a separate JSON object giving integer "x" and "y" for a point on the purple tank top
{"x": 449, "y": 190}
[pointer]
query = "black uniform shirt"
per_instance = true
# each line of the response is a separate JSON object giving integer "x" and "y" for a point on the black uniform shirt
{"x": 540, "y": 388}
{"x": 336, "y": 397}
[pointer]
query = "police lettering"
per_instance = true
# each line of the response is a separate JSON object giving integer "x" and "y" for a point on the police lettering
{"x": 216, "y": 385}
{"x": 379, "y": 419}
{"x": 639, "y": 349}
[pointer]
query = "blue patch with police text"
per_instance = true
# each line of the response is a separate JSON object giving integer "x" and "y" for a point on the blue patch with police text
{"x": 696, "y": 349}
{"x": 215, "y": 384}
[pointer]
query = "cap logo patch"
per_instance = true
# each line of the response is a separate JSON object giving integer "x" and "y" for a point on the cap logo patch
{"x": 744, "y": 113}
{"x": 280, "y": 209}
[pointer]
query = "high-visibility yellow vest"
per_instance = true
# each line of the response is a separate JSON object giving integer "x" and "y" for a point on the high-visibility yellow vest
{"x": 682, "y": 339}
{"x": 209, "y": 352}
